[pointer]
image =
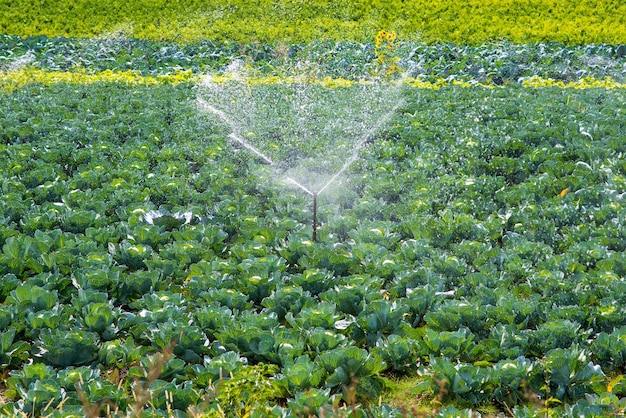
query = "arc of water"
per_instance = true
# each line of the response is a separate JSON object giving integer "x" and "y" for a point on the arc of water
{"x": 233, "y": 136}
{"x": 251, "y": 148}
{"x": 208, "y": 106}
{"x": 353, "y": 157}
{"x": 296, "y": 183}
{"x": 357, "y": 149}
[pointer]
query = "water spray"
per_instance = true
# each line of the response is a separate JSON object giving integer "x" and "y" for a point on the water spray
{"x": 242, "y": 142}
{"x": 361, "y": 142}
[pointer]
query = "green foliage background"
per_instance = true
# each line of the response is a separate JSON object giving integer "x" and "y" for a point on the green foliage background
{"x": 295, "y": 21}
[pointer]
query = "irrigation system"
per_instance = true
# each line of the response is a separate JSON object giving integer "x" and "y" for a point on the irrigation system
{"x": 360, "y": 143}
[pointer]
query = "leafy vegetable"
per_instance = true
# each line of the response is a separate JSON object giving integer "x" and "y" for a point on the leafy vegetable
{"x": 449, "y": 245}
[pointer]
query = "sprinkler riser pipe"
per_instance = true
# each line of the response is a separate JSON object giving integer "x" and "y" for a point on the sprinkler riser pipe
{"x": 314, "y": 217}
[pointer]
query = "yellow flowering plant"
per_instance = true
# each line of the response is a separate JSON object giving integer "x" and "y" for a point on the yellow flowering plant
{"x": 386, "y": 58}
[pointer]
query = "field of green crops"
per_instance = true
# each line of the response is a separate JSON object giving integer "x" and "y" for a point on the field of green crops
{"x": 470, "y": 259}
{"x": 295, "y": 21}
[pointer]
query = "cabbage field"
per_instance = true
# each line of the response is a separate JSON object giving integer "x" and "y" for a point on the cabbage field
{"x": 159, "y": 253}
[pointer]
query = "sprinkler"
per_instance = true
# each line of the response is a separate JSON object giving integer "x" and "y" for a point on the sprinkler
{"x": 373, "y": 105}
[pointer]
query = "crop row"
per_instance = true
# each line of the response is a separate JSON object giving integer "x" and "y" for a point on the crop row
{"x": 12, "y": 80}
{"x": 484, "y": 253}
{"x": 491, "y": 63}
{"x": 472, "y": 22}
